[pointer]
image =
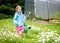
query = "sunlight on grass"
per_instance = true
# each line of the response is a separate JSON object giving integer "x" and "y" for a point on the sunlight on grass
{"x": 39, "y": 33}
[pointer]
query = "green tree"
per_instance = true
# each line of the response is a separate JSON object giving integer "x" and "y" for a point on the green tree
{"x": 7, "y": 7}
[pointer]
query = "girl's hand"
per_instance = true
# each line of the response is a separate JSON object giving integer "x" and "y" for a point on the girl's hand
{"x": 15, "y": 22}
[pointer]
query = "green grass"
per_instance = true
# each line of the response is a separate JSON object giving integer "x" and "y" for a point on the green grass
{"x": 8, "y": 33}
{"x": 45, "y": 27}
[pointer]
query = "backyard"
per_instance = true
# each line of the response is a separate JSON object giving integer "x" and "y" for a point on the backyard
{"x": 43, "y": 16}
{"x": 39, "y": 33}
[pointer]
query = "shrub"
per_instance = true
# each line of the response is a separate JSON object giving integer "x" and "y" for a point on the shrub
{"x": 6, "y": 10}
{"x": 54, "y": 21}
{"x": 2, "y": 16}
{"x": 39, "y": 18}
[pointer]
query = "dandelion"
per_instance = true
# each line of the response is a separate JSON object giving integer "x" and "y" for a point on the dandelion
{"x": 48, "y": 29}
{"x": 56, "y": 40}
{"x": 34, "y": 34}
{"x": 52, "y": 42}
{"x": 56, "y": 34}
{"x": 8, "y": 35}
{"x": 17, "y": 36}
{"x": 38, "y": 28}
{"x": 13, "y": 29}
{"x": 23, "y": 38}
{"x": 11, "y": 39}
{"x": 43, "y": 40}
{"x": 47, "y": 36}
{"x": 55, "y": 31}
{"x": 50, "y": 33}
{"x": 42, "y": 34}
{"x": 39, "y": 40}
{"x": 32, "y": 39}
{"x": 48, "y": 39}
{"x": 59, "y": 37}
{"x": 37, "y": 35}
{"x": 12, "y": 34}
{"x": 32, "y": 27}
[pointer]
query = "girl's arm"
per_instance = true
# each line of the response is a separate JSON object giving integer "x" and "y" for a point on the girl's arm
{"x": 15, "y": 19}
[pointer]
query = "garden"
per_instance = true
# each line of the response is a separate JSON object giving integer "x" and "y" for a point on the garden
{"x": 39, "y": 33}
{"x": 42, "y": 30}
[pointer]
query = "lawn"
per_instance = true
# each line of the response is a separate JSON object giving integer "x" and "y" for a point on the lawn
{"x": 39, "y": 33}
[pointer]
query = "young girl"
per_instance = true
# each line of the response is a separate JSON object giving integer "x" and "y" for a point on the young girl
{"x": 19, "y": 20}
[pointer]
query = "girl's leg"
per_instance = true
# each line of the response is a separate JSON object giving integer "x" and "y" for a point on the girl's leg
{"x": 19, "y": 33}
{"x": 20, "y": 30}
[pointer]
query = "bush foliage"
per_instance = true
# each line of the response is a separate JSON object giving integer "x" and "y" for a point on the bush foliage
{"x": 7, "y": 7}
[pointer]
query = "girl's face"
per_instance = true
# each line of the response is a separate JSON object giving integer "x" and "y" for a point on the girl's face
{"x": 19, "y": 9}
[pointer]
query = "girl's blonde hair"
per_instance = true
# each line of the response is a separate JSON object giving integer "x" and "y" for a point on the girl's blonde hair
{"x": 18, "y": 6}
